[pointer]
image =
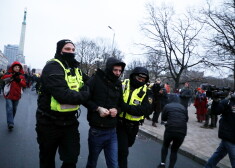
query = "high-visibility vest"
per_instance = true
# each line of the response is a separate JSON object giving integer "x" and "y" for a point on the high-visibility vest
{"x": 134, "y": 98}
{"x": 74, "y": 83}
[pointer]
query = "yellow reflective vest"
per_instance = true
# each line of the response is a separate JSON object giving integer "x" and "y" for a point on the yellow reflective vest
{"x": 132, "y": 98}
{"x": 74, "y": 83}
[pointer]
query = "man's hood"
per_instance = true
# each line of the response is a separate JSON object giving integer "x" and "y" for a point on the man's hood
{"x": 112, "y": 62}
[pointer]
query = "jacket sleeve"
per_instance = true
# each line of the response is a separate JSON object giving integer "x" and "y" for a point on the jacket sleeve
{"x": 53, "y": 79}
{"x": 22, "y": 82}
{"x": 139, "y": 110}
{"x": 91, "y": 105}
{"x": 85, "y": 77}
{"x": 7, "y": 77}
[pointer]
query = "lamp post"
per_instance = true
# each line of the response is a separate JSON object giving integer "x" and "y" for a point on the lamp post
{"x": 113, "y": 36}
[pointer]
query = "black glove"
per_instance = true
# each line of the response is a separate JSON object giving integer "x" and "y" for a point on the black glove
{"x": 85, "y": 93}
{"x": 17, "y": 80}
{"x": 16, "y": 74}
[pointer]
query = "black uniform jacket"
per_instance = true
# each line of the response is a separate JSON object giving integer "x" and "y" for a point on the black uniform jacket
{"x": 144, "y": 109}
{"x": 53, "y": 83}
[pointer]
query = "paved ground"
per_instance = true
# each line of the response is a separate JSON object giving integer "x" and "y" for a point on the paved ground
{"x": 199, "y": 144}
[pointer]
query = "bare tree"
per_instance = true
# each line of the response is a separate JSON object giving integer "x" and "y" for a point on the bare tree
{"x": 93, "y": 54}
{"x": 221, "y": 24}
{"x": 156, "y": 63}
{"x": 87, "y": 52}
{"x": 176, "y": 37}
{"x": 135, "y": 63}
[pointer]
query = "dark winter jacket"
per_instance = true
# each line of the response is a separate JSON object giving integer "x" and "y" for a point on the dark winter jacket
{"x": 185, "y": 95}
{"x": 53, "y": 83}
{"x": 106, "y": 91}
{"x": 176, "y": 116}
{"x": 17, "y": 82}
{"x": 226, "y": 107}
{"x": 160, "y": 99}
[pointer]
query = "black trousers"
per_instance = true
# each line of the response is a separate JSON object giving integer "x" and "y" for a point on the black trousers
{"x": 157, "y": 110}
{"x": 64, "y": 138}
{"x": 126, "y": 134}
{"x": 177, "y": 140}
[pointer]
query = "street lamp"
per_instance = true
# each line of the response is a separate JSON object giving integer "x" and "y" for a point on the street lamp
{"x": 113, "y": 36}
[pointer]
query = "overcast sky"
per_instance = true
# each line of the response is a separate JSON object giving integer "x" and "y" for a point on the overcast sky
{"x": 49, "y": 21}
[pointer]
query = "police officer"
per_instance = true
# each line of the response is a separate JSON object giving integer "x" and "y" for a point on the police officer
{"x": 136, "y": 105}
{"x": 61, "y": 94}
{"x": 226, "y": 107}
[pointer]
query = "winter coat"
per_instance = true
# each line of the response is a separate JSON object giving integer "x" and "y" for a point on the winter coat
{"x": 160, "y": 99}
{"x": 105, "y": 92}
{"x": 145, "y": 108}
{"x": 53, "y": 83}
{"x": 226, "y": 107}
{"x": 16, "y": 87}
{"x": 200, "y": 103}
{"x": 185, "y": 95}
{"x": 176, "y": 116}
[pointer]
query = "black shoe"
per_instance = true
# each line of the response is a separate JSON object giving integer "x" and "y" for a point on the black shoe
{"x": 154, "y": 124}
{"x": 161, "y": 165}
{"x": 204, "y": 126}
{"x": 10, "y": 126}
{"x": 210, "y": 126}
{"x": 148, "y": 118}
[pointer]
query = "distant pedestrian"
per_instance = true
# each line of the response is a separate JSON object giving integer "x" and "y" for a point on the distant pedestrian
{"x": 225, "y": 107}
{"x": 2, "y": 72}
{"x": 103, "y": 107}
{"x": 137, "y": 104}
{"x": 168, "y": 88}
{"x": 15, "y": 80}
{"x": 62, "y": 91}
{"x": 159, "y": 100}
{"x": 208, "y": 115}
{"x": 185, "y": 95}
{"x": 176, "y": 117}
{"x": 200, "y": 104}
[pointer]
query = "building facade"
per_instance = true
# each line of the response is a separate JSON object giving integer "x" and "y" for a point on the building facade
{"x": 3, "y": 61}
{"x": 16, "y": 52}
{"x": 11, "y": 53}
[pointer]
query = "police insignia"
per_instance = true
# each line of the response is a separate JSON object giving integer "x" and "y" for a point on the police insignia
{"x": 136, "y": 102}
{"x": 150, "y": 100}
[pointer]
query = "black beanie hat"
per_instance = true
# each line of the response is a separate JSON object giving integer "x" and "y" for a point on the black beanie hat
{"x": 61, "y": 44}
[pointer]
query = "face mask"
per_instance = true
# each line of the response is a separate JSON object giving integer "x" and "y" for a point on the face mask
{"x": 66, "y": 55}
{"x": 69, "y": 58}
{"x": 110, "y": 75}
{"x": 135, "y": 83}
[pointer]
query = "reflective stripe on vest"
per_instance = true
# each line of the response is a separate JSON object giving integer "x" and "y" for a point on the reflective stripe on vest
{"x": 74, "y": 83}
{"x": 134, "y": 100}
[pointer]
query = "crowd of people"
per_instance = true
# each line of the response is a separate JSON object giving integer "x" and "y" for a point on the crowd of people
{"x": 116, "y": 109}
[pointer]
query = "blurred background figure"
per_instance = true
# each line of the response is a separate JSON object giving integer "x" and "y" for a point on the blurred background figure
{"x": 185, "y": 95}
{"x": 200, "y": 104}
{"x": 159, "y": 100}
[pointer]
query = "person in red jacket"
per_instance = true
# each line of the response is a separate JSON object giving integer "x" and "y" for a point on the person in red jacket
{"x": 200, "y": 104}
{"x": 15, "y": 78}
